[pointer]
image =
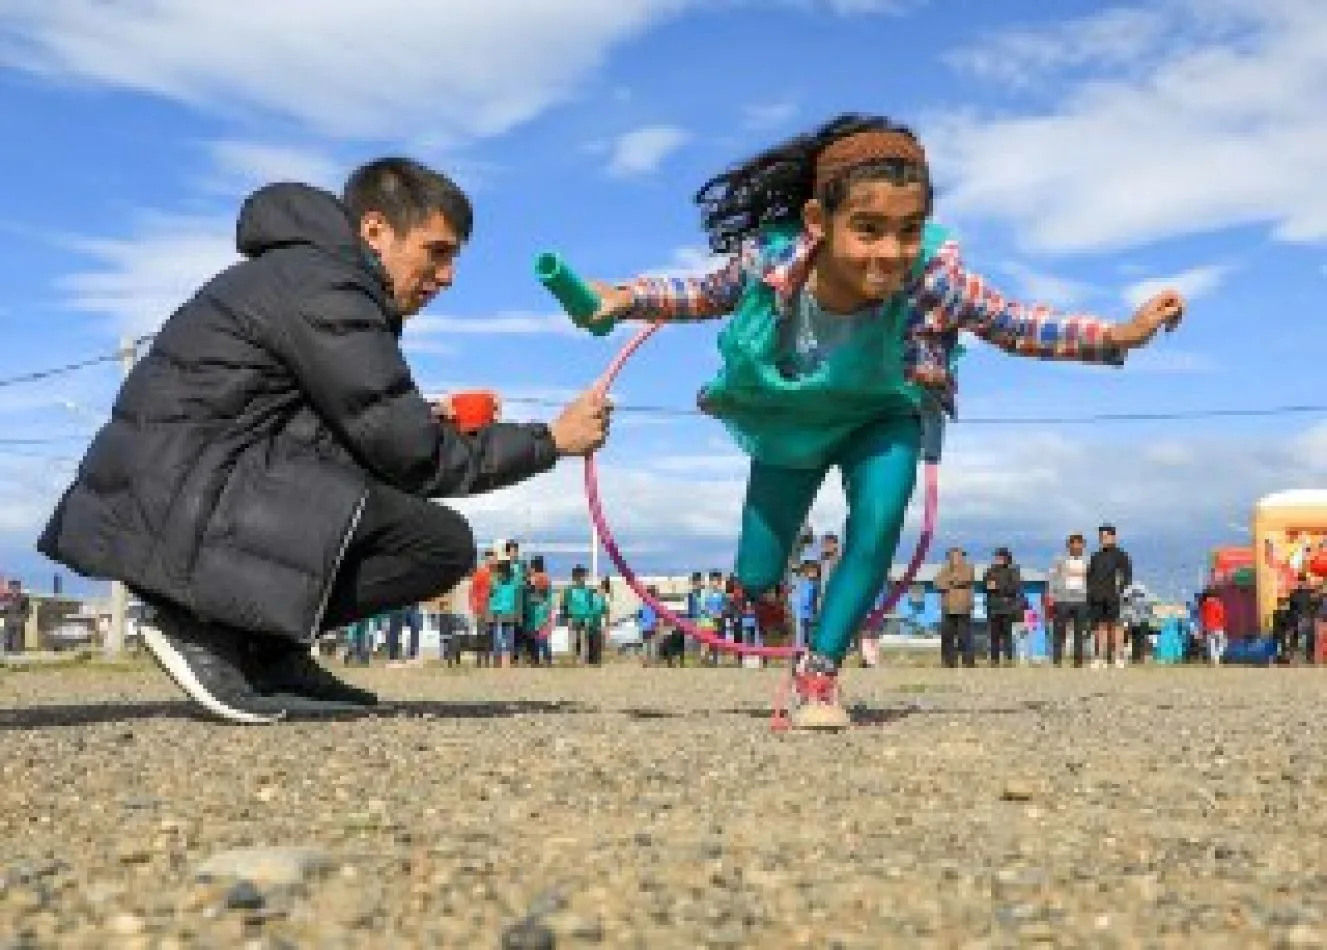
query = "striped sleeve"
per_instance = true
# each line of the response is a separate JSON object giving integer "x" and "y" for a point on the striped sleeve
{"x": 706, "y": 297}
{"x": 951, "y": 297}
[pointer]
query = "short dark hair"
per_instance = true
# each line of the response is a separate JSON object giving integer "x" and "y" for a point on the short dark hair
{"x": 406, "y": 193}
{"x": 1077, "y": 537}
{"x": 1106, "y": 529}
{"x": 578, "y": 571}
{"x": 537, "y": 562}
{"x": 512, "y": 545}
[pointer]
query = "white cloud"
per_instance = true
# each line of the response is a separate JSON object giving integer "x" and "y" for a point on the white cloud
{"x": 1193, "y": 283}
{"x": 852, "y": 7}
{"x": 416, "y": 346}
{"x": 688, "y": 261}
{"x": 345, "y": 68}
{"x": 1166, "y": 362}
{"x": 1040, "y": 287}
{"x": 1220, "y": 127}
{"x": 30, "y": 484}
{"x": 242, "y": 166}
{"x": 499, "y": 324}
{"x": 641, "y": 151}
{"x": 141, "y": 279}
{"x": 766, "y": 115}
{"x": 997, "y": 485}
{"x": 1115, "y": 37}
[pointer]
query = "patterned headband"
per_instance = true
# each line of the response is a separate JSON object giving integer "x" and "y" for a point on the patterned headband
{"x": 861, "y": 148}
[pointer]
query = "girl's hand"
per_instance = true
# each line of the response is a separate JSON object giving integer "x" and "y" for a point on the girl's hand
{"x": 614, "y": 302}
{"x": 1166, "y": 309}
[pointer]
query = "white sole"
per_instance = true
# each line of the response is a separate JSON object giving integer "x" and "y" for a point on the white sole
{"x": 174, "y": 666}
{"x": 820, "y": 718}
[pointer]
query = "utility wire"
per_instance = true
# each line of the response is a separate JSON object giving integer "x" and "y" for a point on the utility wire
{"x": 69, "y": 367}
{"x": 1177, "y": 415}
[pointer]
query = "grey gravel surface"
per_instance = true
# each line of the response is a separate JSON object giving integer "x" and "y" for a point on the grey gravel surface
{"x": 629, "y": 807}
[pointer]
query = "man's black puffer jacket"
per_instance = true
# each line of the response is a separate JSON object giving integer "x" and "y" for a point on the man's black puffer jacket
{"x": 239, "y": 450}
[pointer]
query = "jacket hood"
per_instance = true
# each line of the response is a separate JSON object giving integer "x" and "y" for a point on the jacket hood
{"x": 288, "y": 214}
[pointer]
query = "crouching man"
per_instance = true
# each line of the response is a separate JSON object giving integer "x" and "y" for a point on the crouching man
{"x": 268, "y": 467}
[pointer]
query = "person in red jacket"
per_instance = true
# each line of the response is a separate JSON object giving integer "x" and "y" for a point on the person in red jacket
{"x": 481, "y": 585}
{"x": 1213, "y": 616}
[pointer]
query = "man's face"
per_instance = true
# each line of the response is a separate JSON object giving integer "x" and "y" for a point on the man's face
{"x": 1076, "y": 547}
{"x": 829, "y": 547}
{"x": 955, "y": 557}
{"x": 1107, "y": 538}
{"x": 420, "y": 263}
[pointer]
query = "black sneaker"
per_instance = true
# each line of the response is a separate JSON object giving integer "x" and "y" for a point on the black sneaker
{"x": 283, "y": 668}
{"x": 206, "y": 662}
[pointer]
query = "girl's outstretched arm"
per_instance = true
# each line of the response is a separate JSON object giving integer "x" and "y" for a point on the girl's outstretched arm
{"x": 674, "y": 299}
{"x": 953, "y": 298}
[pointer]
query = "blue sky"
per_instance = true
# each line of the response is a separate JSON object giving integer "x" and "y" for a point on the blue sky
{"x": 1082, "y": 161}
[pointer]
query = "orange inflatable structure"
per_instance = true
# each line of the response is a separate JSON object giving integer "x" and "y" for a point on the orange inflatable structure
{"x": 1289, "y": 540}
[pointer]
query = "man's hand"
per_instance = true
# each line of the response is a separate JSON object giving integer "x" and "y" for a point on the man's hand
{"x": 1166, "y": 309}
{"x": 583, "y": 426}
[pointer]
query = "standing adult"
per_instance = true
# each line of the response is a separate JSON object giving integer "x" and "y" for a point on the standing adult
{"x": 955, "y": 581}
{"x": 1067, "y": 583}
{"x": 1109, "y": 572}
{"x": 14, "y": 612}
{"x": 1003, "y": 584}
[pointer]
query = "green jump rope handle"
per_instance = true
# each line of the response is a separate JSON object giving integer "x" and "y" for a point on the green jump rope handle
{"x": 576, "y": 297}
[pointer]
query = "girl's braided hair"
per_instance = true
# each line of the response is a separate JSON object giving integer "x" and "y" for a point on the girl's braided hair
{"x": 773, "y": 186}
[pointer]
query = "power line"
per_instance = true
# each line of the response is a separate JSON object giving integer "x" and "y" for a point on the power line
{"x": 1178, "y": 415}
{"x": 1173, "y": 416}
{"x": 50, "y": 440}
{"x": 41, "y": 374}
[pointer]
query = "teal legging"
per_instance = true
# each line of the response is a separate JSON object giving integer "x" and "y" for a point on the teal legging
{"x": 879, "y": 467}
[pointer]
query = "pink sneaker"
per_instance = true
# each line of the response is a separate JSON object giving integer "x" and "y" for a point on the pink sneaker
{"x": 818, "y": 703}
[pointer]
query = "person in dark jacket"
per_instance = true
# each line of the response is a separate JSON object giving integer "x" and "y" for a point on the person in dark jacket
{"x": 1003, "y": 584}
{"x": 1109, "y": 572}
{"x": 15, "y": 609}
{"x": 268, "y": 467}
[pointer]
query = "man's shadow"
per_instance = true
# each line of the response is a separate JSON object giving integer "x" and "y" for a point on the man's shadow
{"x": 84, "y": 714}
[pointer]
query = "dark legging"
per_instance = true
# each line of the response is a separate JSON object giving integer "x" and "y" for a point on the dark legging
{"x": 879, "y": 468}
{"x": 1002, "y": 638}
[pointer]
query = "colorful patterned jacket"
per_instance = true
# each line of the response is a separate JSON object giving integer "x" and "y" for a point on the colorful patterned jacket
{"x": 945, "y": 300}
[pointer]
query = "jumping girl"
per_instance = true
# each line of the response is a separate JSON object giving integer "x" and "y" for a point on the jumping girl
{"x": 846, "y": 303}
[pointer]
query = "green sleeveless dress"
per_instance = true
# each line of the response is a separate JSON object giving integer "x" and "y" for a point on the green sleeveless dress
{"x": 801, "y": 421}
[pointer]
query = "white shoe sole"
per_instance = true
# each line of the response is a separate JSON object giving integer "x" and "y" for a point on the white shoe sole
{"x": 174, "y": 666}
{"x": 820, "y": 717}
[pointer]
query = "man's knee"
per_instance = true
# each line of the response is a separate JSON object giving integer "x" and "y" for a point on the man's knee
{"x": 449, "y": 546}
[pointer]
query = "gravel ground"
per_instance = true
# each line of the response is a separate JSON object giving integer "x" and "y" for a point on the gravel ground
{"x": 629, "y": 807}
